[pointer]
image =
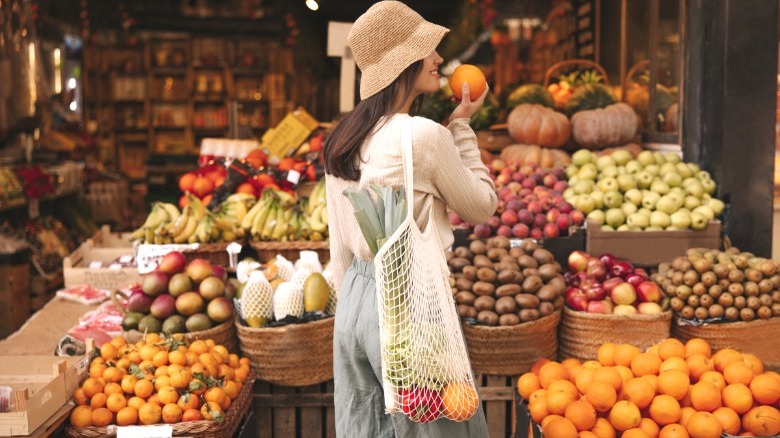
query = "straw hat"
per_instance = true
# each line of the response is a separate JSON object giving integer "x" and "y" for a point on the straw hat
{"x": 388, "y": 38}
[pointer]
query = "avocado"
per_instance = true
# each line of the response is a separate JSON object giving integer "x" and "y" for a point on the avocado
{"x": 198, "y": 322}
{"x": 174, "y": 324}
{"x": 130, "y": 322}
{"x": 149, "y": 324}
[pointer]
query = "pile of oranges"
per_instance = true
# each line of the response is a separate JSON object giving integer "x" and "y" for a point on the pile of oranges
{"x": 672, "y": 390}
{"x": 158, "y": 380}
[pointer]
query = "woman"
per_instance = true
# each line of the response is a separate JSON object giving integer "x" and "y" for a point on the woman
{"x": 394, "y": 47}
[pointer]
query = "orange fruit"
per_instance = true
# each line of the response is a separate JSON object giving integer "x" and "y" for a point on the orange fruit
{"x": 581, "y": 414}
{"x": 601, "y": 395}
{"x": 459, "y": 400}
{"x": 764, "y": 421}
{"x": 160, "y": 359}
{"x": 728, "y": 419}
{"x": 116, "y": 402}
{"x": 550, "y": 372}
{"x": 583, "y": 379}
{"x": 564, "y": 386}
{"x": 625, "y": 373}
{"x": 585, "y": 434}
{"x": 177, "y": 357}
{"x": 202, "y": 187}
{"x": 698, "y": 364}
{"x": 212, "y": 411}
{"x": 591, "y": 364}
{"x": 724, "y": 357}
{"x": 167, "y": 394}
{"x": 150, "y": 413}
{"x": 645, "y": 363}
{"x": 697, "y": 346}
{"x": 470, "y": 74}
{"x": 624, "y": 354}
{"x": 560, "y": 427}
{"x": 747, "y": 418}
{"x": 765, "y": 389}
{"x": 148, "y": 351}
{"x": 223, "y": 351}
{"x": 214, "y": 394}
{"x": 624, "y": 415}
{"x": 673, "y": 431}
{"x": 704, "y": 425}
{"x": 92, "y": 386}
{"x": 246, "y": 188}
{"x": 123, "y": 364}
{"x": 135, "y": 357}
{"x": 635, "y": 433}
{"x": 112, "y": 388}
{"x": 538, "y": 364}
{"x": 108, "y": 351}
{"x": 187, "y": 401}
{"x": 674, "y": 383}
{"x": 603, "y": 429}
{"x": 606, "y": 354}
{"x": 538, "y": 409}
{"x": 557, "y": 401}
{"x": 737, "y": 397}
{"x": 136, "y": 402}
{"x": 98, "y": 400}
{"x": 191, "y": 415}
{"x": 674, "y": 363}
{"x": 102, "y": 417}
{"x": 81, "y": 416}
{"x": 665, "y": 409}
{"x": 652, "y": 380}
{"x": 527, "y": 384}
{"x": 671, "y": 347}
{"x": 161, "y": 382}
{"x": 685, "y": 414}
{"x": 609, "y": 375}
{"x": 128, "y": 383}
{"x": 187, "y": 181}
{"x": 753, "y": 362}
{"x": 97, "y": 369}
{"x": 127, "y": 416}
{"x": 738, "y": 372}
{"x": 638, "y": 391}
{"x": 550, "y": 418}
{"x": 649, "y": 427}
{"x": 144, "y": 389}
{"x": 539, "y": 393}
{"x": 715, "y": 378}
{"x": 705, "y": 397}
{"x": 79, "y": 397}
{"x": 231, "y": 389}
{"x": 171, "y": 413}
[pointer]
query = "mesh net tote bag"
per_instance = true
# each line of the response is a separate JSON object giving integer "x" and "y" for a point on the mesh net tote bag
{"x": 425, "y": 366}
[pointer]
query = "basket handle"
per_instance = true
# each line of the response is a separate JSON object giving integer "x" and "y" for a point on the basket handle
{"x": 573, "y": 62}
{"x": 115, "y": 295}
{"x": 630, "y": 74}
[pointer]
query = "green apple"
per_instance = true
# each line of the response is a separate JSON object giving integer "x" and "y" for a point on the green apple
{"x": 583, "y": 186}
{"x": 611, "y": 171}
{"x": 694, "y": 167}
{"x": 652, "y": 228}
{"x": 581, "y": 157}
{"x": 683, "y": 170}
{"x": 659, "y": 158}
{"x": 624, "y": 227}
{"x": 645, "y": 211}
{"x": 626, "y": 182}
{"x": 584, "y": 203}
{"x": 645, "y": 158}
{"x": 653, "y": 169}
{"x": 717, "y": 206}
{"x": 622, "y": 170}
{"x": 613, "y": 199}
{"x": 705, "y": 198}
{"x": 569, "y": 194}
{"x": 605, "y": 161}
{"x": 681, "y": 219}
{"x": 633, "y": 166}
{"x": 598, "y": 216}
{"x": 607, "y": 228}
{"x": 673, "y": 179}
{"x": 666, "y": 205}
{"x": 649, "y": 199}
{"x": 588, "y": 171}
{"x": 695, "y": 188}
{"x": 644, "y": 179}
{"x": 571, "y": 170}
{"x": 615, "y": 217}
{"x": 598, "y": 197}
{"x": 667, "y": 167}
{"x": 621, "y": 156}
{"x": 709, "y": 186}
{"x": 628, "y": 208}
{"x": 660, "y": 219}
{"x": 633, "y": 196}
{"x": 698, "y": 221}
{"x": 672, "y": 157}
{"x": 678, "y": 197}
{"x": 692, "y": 202}
{"x": 660, "y": 187}
{"x": 638, "y": 220}
{"x": 608, "y": 184}
{"x": 706, "y": 211}
{"x": 702, "y": 175}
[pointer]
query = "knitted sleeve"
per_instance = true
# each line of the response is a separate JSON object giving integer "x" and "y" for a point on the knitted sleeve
{"x": 340, "y": 254}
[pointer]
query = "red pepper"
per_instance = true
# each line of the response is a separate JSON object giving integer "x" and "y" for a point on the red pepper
{"x": 420, "y": 404}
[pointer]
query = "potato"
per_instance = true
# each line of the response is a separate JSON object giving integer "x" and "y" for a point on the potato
{"x": 485, "y": 303}
{"x": 458, "y": 263}
{"x": 463, "y": 252}
{"x": 487, "y": 274}
{"x": 478, "y": 247}
{"x": 508, "y": 320}
{"x": 527, "y": 315}
{"x": 482, "y": 261}
{"x": 483, "y": 288}
{"x": 547, "y": 293}
{"x": 464, "y": 284}
{"x": 488, "y": 317}
{"x": 532, "y": 284}
{"x": 543, "y": 256}
{"x": 510, "y": 276}
{"x": 505, "y": 305}
{"x": 508, "y": 290}
{"x": 527, "y": 301}
{"x": 495, "y": 254}
{"x": 465, "y": 297}
{"x": 470, "y": 272}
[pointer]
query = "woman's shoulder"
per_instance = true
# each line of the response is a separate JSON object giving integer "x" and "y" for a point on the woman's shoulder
{"x": 427, "y": 129}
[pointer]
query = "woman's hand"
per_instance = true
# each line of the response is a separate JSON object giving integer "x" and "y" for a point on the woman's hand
{"x": 468, "y": 107}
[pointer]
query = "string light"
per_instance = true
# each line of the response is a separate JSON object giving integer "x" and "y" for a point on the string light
{"x": 312, "y": 4}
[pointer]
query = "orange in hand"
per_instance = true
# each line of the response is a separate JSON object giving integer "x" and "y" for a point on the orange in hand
{"x": 471, "y": 74}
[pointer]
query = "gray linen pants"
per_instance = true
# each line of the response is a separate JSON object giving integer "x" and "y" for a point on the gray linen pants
{"x": 357, "y": 369}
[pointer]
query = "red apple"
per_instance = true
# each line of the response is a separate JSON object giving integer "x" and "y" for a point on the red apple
{"x": 635, "y": 279}
{"x": 648, "y": 292}
{"x": 553, "y": 214}
{"x": 521, "y": 230}
{"x": 528, "y": 183}
{"x": 563, "y": 222}
{"x": 610, "y": 284}
{"x": 535, "y": 207}
{"x": 642, "y": 272}
{"x": 514, "y": 206}
{"x": 504, "y": 230}
{"x": 525, "y": 217}
{"x": 536, "y": 233}
{"x": 560, "y": 186}
{"x": 549, "y": 180}
{"x": 494, "y": 222}
{"x": 482, "y": 231}
{"x": 649, "y": 309}
{"x": 596, "y": 269}
{"x": 219, "y": 272}
{"x": 608, "y": 260}
{"x": 577, "y": 217}
{"x": 551, "y": 230}
{"x": 540, "y": 220}
{"x": 576, "y": 299}
{"x": 578, "y": 260}
{"x": 565, "y": 207}
{"x": 624, "y": 310}
{"x": 509, "y": 218}
{"x": 601, "y": 306}
{"x": 623, "y": 294}
{"x": 593, "y": 289}
{"x": 172, "y": 263}
{"x": 621, "y": 269}
{"x": 503, "y": 192}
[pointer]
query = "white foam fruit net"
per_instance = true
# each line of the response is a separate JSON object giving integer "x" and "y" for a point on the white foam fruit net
{"x": 309, "y": 260}
{"x": 330, "y": 309}
{"x": 299, "y": 277}
{"x": 285, "y": 268}
{"x": 257, "y": 298}
{"x": 288, "y": 300}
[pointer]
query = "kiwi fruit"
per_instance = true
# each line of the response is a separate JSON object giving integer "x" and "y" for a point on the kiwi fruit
{"x": 731, "y": 313}
{"x": 478, "y": 247}
{"x": 764, "y": 312}
{"x": 716, "y": 311}
{"x": 726, "y": 300}
{"x": 506, "y": 305}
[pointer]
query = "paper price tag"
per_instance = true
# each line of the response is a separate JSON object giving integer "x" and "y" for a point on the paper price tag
{"x": 126, "y": 259}
{"x": 144, "y": 432}
{"x": 293, "y": 176}
{"x": 515, "y": 243}
{"x": 34, "y": 209}
{"x": 115, "y": 266}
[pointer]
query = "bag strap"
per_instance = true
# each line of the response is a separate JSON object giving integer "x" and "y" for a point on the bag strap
{"x": 407, "y": 159}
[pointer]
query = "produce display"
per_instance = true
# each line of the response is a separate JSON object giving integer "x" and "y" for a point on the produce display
{"x": 714, "y": 285}
{"x": 670, "y": 390}
{"x": 530, "y": 204}
{"x": 11, "y": 189}
{"x": 562, "y": 90}
{"x": 654, "y": 191}
{"x": 278, "y": 216}
{"x": 158, "y": 381}
{"x": 605, "y": 284}
{"x": 496, "y": 284}
{"x": 180, "y": 297}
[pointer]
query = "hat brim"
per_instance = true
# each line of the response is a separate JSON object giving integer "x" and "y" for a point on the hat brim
{"x": 417, "y": 46}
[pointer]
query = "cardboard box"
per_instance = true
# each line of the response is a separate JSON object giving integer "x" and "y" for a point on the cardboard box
{"x": 649, "y": 248}
{"x": 90, "y": 264}
{"x": 41, "y": 386}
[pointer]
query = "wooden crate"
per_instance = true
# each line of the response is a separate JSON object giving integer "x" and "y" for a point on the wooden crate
{"x": 105, "y": 238}
{"x": 308, "y": 411}
{"x": 77, "y": 269}
{"x": 14, "y": 297}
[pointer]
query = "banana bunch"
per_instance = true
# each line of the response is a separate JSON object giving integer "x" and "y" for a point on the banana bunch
{"x": 162, "y": 215}
{"x": 227, "y": 219}
{"x": 315, "y": 211}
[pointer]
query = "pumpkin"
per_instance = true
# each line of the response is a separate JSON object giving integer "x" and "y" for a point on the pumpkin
{"x": 527, "y": 154}
{"x": 531, "y": 123}
{"x": 604, "y": 127}
{"x": 632, "y": 148}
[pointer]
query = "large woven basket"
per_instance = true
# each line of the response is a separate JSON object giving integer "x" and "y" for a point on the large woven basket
{"x": 757, "y": 337}
{"x": 291, "y": 250}
{"x": 195, "y": 429}
{"x": 511, "y": 350}
{"x": 580, "y": 333}
{"x": 290, "y": 355}
{"x": 215, "y": 253}
{"x": 223, "y": 334}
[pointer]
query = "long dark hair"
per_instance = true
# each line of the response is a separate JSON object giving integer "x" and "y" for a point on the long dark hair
{"x": 342, "y": 145}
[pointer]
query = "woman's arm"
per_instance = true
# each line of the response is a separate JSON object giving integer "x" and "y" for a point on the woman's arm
{"x": 340, "y": 254}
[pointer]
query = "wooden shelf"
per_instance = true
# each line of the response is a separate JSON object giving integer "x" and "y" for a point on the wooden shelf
{"x": 171, "y": 71}
{"x": 49, "y": 198}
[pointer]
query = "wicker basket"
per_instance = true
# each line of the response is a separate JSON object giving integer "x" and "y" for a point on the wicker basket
{"x": 223, "y": 334}
{"x": 195, "y": 429}
{"x": 757, "y": 337}
{"x": 508, "y": 351}
{"x": 290, "y": 355}
{"x": 581, "y": 333}
{"x": 215, "y": 253}
{"x": 569, "y": 63}
{"x": 291, "y": 250}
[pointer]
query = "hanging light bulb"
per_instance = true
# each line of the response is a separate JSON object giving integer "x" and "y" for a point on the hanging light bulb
{"x": 312, "y": 4}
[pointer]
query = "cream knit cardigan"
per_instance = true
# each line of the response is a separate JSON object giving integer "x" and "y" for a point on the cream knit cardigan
{"x": 447, "y": 172}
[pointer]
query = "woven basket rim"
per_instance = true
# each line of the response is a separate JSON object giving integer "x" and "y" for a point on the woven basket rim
{"x": 728, "y": 325}
{"x": 507, "y": 329}
{"x": 225, "y": 326}
{"x": 282, "y": 328}
{"x": 667, "y": 315}
{"x": 302, "y": 244}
